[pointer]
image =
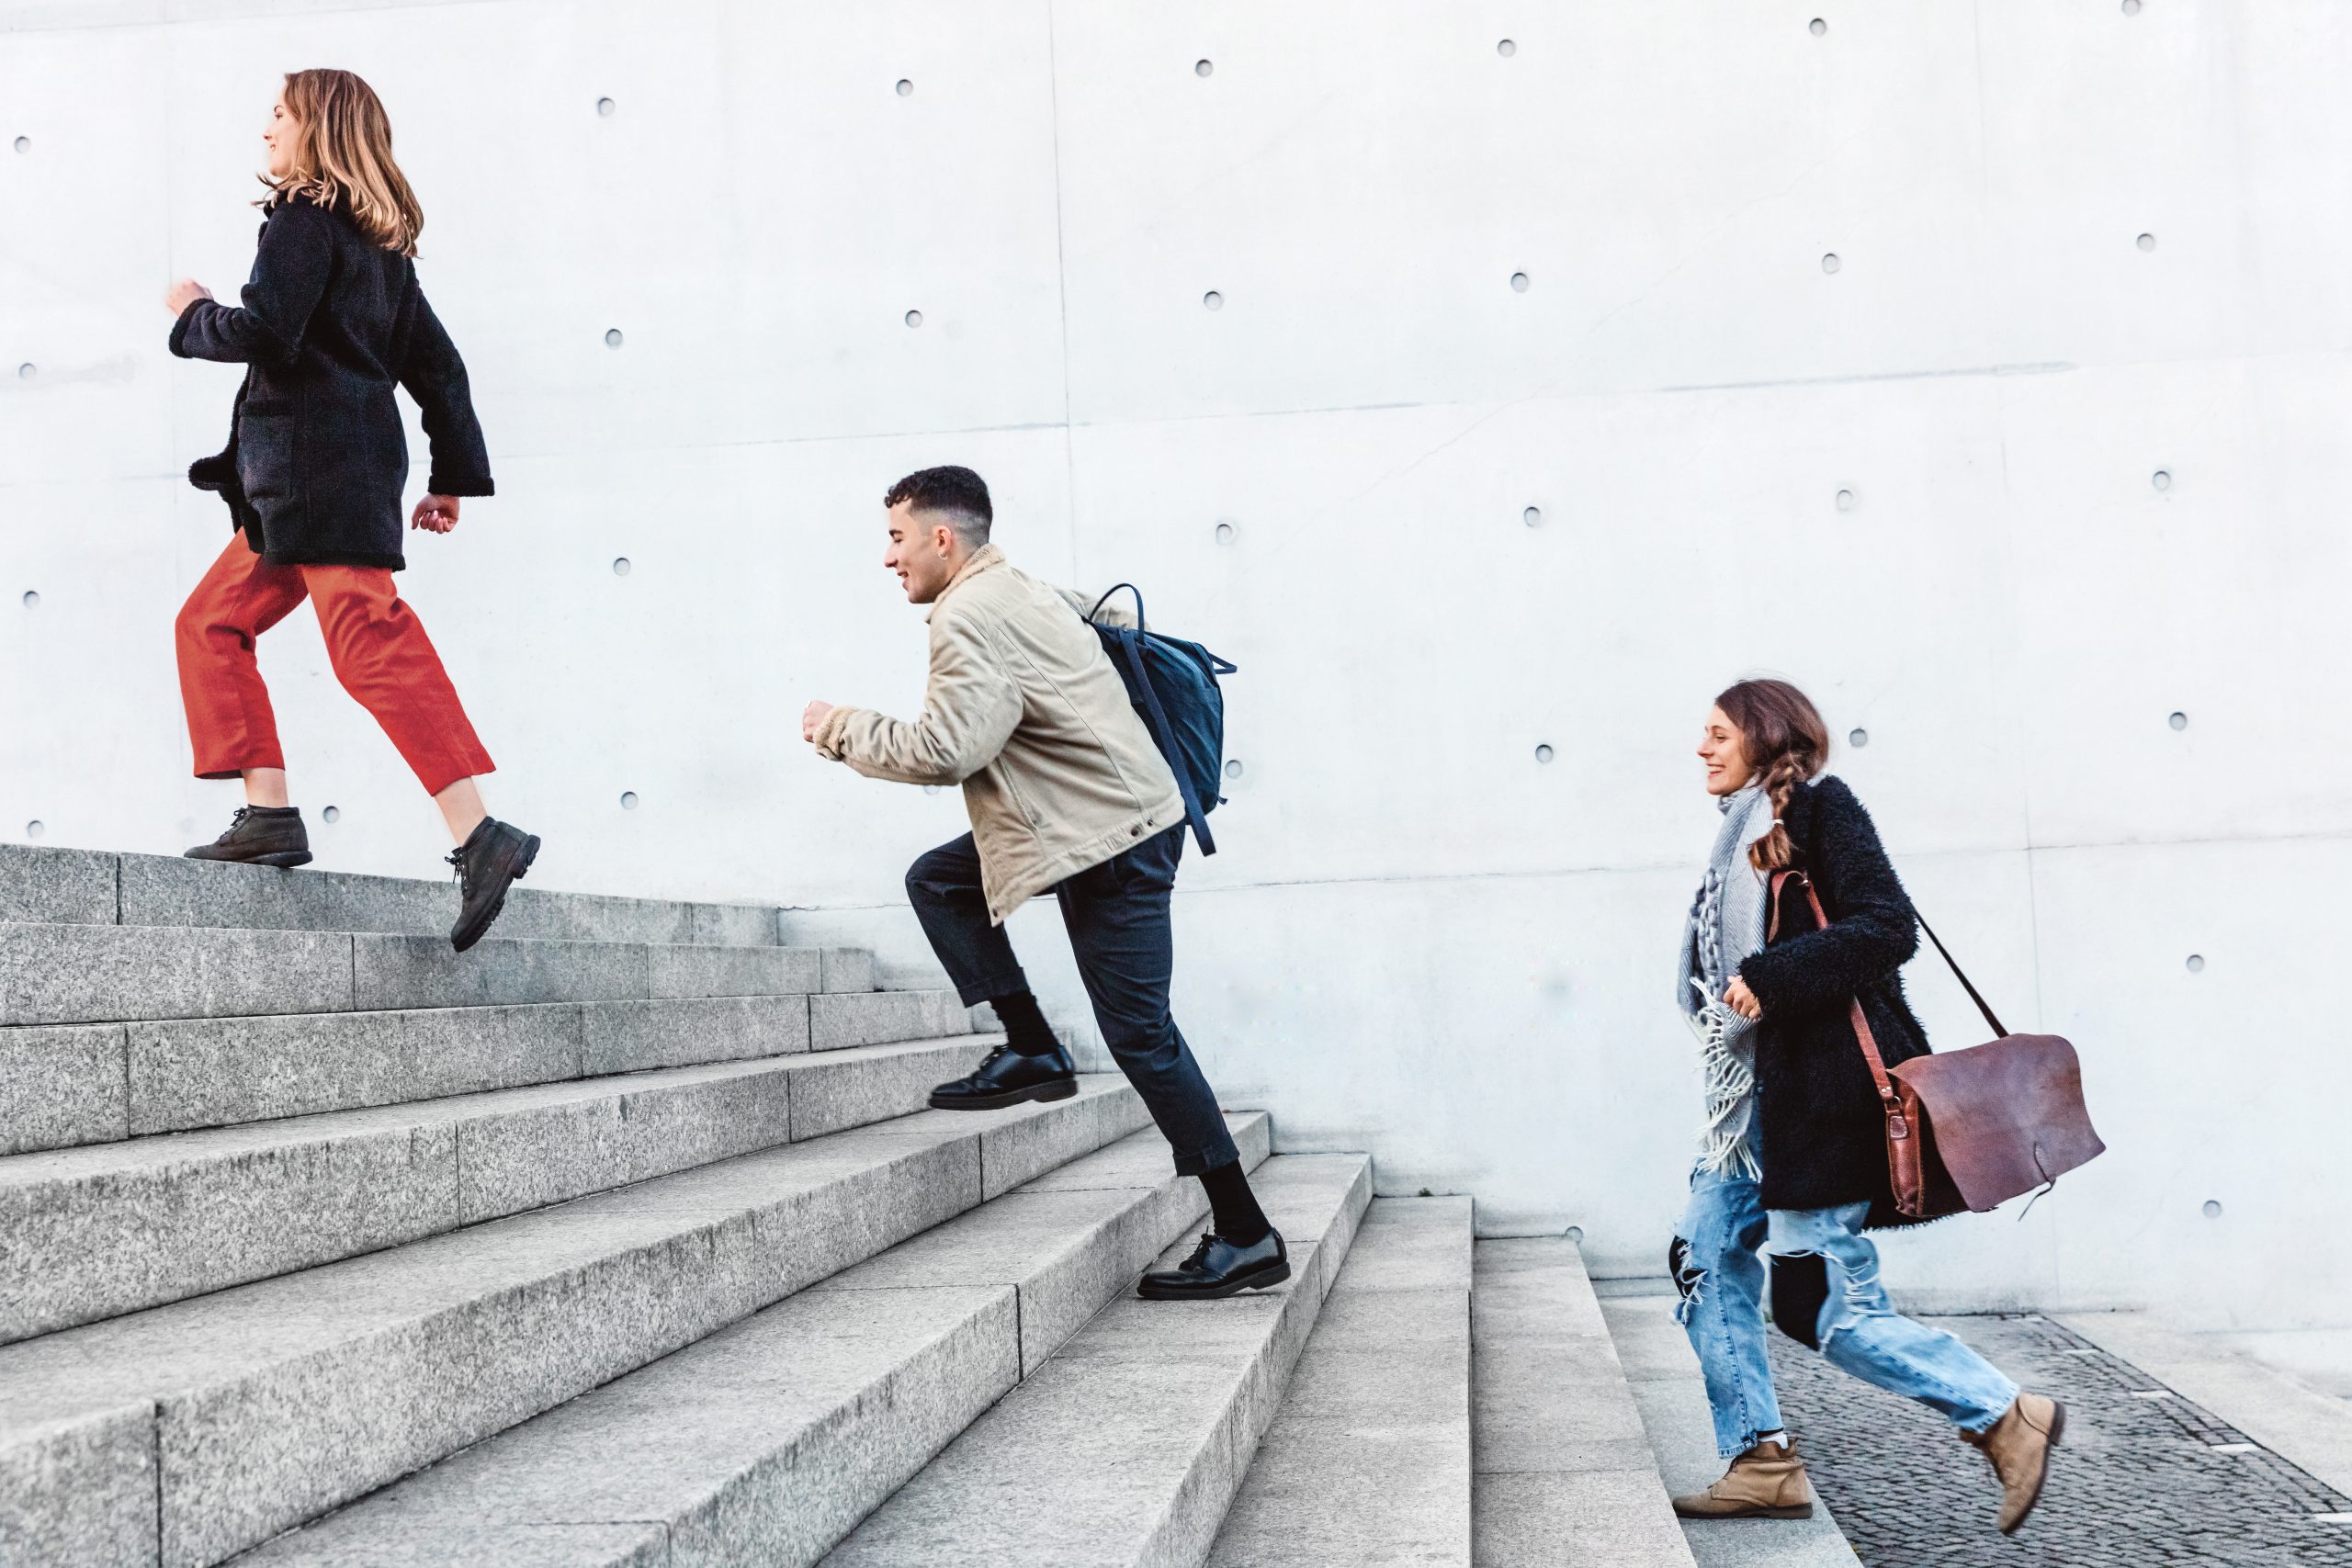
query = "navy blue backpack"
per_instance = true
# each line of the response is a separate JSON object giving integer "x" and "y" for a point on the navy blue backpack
{"x": 1173, "y": 685}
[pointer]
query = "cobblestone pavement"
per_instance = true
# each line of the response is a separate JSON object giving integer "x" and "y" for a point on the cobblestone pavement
{"x": 2136, "y": 1481}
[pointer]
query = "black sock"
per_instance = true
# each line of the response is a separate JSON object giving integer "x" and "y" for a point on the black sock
{"x": 274, "y": 810}
{"x": 1233, "y": 1207}
{"x": 1025, "y": 1028}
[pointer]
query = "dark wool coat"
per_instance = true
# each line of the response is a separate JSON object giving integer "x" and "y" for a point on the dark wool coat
{"x": 316, "y": 460}
{"x": 1820, "y": 1134}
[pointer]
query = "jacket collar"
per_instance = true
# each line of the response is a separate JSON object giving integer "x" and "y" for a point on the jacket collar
{"x": 985, "y": 558}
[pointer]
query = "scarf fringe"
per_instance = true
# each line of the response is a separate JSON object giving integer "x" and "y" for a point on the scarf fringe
{"x": 1726, "y": 1148}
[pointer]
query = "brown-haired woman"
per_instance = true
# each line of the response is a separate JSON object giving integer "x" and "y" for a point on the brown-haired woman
{"x": 1794, "y": 1156}
{"x": 332, "y": 320}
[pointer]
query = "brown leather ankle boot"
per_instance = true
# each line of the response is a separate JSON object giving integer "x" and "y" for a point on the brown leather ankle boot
{"x": 2018, "y": 1445}
{"x": 1764, "y": 1482}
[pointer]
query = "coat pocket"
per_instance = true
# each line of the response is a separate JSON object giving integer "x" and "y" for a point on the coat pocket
{"x": 266, "y": 443}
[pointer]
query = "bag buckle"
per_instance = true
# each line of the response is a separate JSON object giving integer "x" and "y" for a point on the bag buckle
{"x": 1896, "y": 1127}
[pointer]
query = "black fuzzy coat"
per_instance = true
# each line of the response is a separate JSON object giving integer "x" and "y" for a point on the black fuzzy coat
{"x": 1820, "y": 1134}
{"x": 316, "y": 460}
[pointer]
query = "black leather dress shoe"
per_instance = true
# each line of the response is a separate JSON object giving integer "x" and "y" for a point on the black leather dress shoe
{"x": 1005, "y": 1077}
{"x": 260, "y": 835}
{"x": 494, "y": 857}
{"x": 1218, "y": 1267}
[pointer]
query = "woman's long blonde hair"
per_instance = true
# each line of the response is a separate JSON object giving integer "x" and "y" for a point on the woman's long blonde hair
{"x": 1786, "y": 743}
{"x": 343, "y": 158}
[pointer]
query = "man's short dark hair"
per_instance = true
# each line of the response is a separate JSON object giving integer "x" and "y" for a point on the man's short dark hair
{"x": 959, "y": 492}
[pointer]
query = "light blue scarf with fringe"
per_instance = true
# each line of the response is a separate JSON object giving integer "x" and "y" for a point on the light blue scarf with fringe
{"x": 1726, "y": 924}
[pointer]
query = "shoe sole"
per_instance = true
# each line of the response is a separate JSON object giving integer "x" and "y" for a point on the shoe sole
{"x": 1062, "y": 1090}
{"x": 463, "y": 939}
{"x": 283, "y": 858}
{"x": 2057, "y": 1429}
{"x": 1802, "y": 1511}
{"x": 1271, "y": 1274}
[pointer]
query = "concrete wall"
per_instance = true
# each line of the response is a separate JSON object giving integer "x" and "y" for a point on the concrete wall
{"x": 1925, "y": 484}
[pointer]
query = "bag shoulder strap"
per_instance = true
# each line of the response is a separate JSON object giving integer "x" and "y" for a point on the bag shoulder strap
{"x": 1958, "y": 974}
{"x": 1984, "y": 1007}
{"x": 1862, "y": 1035}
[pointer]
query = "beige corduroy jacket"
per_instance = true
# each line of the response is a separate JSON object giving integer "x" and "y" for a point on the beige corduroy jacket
{"x": 1025, "y": 712}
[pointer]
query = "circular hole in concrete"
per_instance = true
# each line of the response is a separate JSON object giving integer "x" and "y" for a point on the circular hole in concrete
{"x": 906, "y": 88}
{"x": 2131, "y": 7}
{"x": 2196, "y": 963}
{"x": 1845, "y": 500}
{"x": 2161, "y": 479}
{"x": 1507, "y": 49}
{"x": 1830, "y": 262}
{"x": 914, "y": 317}
{"x": 1519, "y": 283}
{"x": 1225, "y": 532}
{"x": 1858, "y": 739}
{"x": 1544, "y": 753}
{"x": 1203, "y": 68}
{"x": 620, "y": 566}
{"x": 2212, "y": 1208}
{"x": 612, "y": 337}
{"x": 2178, "y": 721}
{"x": 27, "y": 371}
{"x": 1574, "y": 1235}
{"x": 24, "y": 143}
{"x": 1213, "y": 299}
{"x": 332, "y": 814}
{"x": 930, "y": 789}
{"x": 1817, "y": 27}
{"x": 1533, "y": 517}
{"x": 33, "y": 599}
{"x": 2146, "y": 242}
{"x": 36, "y": 828}
{"x": 1233, "y": 768}
{"x": 605, "y": 107}
{"x": 628, "y": 800}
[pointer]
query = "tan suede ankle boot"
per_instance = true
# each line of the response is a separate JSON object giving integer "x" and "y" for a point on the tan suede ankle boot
{"x": 1766, "y": 1482}
{"x": 2018, "y": 1445}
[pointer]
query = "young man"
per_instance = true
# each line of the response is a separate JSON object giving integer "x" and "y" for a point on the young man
{"x": 1065, "y": 791}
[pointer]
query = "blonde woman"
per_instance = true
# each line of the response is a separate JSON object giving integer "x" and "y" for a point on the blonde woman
{"x": 1794, "y": 1158}
{"x": 331, "y": 321}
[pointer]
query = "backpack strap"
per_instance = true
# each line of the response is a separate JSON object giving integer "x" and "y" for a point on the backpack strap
{"x": 1106, "y": 599}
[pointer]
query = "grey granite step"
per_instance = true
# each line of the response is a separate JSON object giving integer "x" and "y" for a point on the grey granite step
{"x": 87, "y": 888}
{"x": 73, "y": 974}
{"x": 1562, "y": 1474}
{"x": 96, "y": 1232}
{"x": 768, "y": 1442}
{"x": 68, "y": 1084}
{"x": 187, "y": 1433}
{"x": 1663, "y": 1375}
{"x": 1368, "y": 1461}
{"x": 1127, "y": 1445}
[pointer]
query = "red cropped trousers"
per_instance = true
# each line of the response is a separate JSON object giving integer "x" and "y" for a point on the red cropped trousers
{"x": 375, "y": 643}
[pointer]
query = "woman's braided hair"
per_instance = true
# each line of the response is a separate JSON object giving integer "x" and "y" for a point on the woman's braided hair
{"x": 1786, "y": 744}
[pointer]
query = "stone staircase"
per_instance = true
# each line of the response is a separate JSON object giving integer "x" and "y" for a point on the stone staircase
{"x": 626, "y": 1239}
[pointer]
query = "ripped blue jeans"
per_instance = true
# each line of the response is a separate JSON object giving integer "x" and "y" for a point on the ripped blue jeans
{"x": 1826, "y": 1295}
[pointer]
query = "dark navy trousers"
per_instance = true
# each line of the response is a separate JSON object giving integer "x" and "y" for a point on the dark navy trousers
{"x": 1120, "y": 932}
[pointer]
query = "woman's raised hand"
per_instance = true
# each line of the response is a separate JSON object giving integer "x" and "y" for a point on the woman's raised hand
{"x": 1742, "y": 1001}
{"x": 181, "y": 295}
{"x": 435, "y": 513}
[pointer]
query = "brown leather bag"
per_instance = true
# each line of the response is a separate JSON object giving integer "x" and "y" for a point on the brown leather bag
{"x": 1972, "y": 1129}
